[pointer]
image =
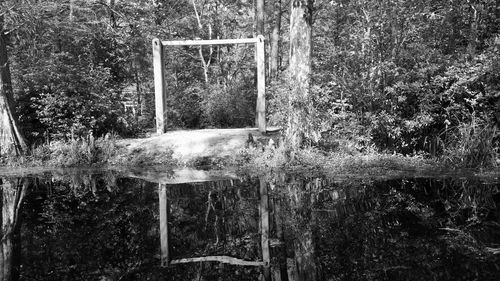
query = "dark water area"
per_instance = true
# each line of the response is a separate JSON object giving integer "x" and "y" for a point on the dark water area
{"x": 282, "y": 227}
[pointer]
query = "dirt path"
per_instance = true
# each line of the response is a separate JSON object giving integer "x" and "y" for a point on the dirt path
{"x": 190, "y": 144}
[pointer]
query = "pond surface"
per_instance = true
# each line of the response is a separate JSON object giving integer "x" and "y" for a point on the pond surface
{"x": 105, "y": 226}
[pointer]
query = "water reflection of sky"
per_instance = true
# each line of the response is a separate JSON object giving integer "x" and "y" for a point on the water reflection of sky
{"x": 198, "y": 225}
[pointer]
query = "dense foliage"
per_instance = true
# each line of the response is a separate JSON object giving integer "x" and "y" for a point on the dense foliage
{"x": 396, "y": 75}
{"x": 412, "y": 73}
{"x": 403, "y": 229}
{"x": 76, "y": 64}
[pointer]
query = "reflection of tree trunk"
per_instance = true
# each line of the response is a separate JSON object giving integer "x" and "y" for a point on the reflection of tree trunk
{"x": 275, "y": 41}
{"x": 12, "y": 196}
{"x": 264, "y": 223}
{"x": 304, "y": 255}
{"x": 300, "y": 70}
{"x": 11, "y": 138}
{"x": 304, "y": 246}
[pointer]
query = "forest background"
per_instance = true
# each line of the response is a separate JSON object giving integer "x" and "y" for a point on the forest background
{"x": 400, "y": 76}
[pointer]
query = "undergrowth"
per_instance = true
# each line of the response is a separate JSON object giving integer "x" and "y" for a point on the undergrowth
{"x": 85, "y": 152}
{"x": 469, "y": 146}
{"x": 76, "y": 152}
{"x": 472, "y": 145}
{"x": 340, "y": 161}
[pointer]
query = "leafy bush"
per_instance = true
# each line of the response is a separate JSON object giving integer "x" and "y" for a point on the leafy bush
{"x": 229, "y": 105}
{"x": 185, "y": 110}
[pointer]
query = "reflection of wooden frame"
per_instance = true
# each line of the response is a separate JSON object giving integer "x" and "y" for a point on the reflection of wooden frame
{"x": 164, "y": 235}
{"x": 159, "y": 75}
{"x": 222, "y": 259}
{"x": 164, "y": 214}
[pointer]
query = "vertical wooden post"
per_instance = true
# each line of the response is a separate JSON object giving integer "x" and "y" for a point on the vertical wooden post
{"x": 160, "y": 87}
{"x": 164, "y": 210}
{"x": 264, "y": 228}
{"x": 261, "y": 84}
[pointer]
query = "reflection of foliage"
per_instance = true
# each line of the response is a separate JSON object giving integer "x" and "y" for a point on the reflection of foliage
{"x": 412, "y": 232}
{"x": 88, "y": 227}
{"x": 88, "y": 231}
{"x": 215, "y": 219}
{"x": 82, "y": 228}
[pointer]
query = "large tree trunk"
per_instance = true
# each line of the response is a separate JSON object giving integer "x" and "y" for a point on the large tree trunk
{"x": 259, "y": 22}
{"x": 300, "y": 70}
{"x": 274, "y": 56}
{"x": 473, "y": 30}
{"x": 259, "y": 30}
{"x": 11, "y": 139}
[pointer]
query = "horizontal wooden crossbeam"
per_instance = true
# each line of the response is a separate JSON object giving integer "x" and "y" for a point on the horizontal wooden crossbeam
{"x": 222, "y": 259}
{"x": 212, "y": 42}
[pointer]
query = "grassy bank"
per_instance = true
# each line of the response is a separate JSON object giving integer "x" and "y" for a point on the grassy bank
{"x": 107, "y": 151}
{"x": 336, "y": 162}
{"x": 86, "y": 152}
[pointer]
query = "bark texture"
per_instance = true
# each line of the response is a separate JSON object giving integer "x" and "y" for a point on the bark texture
{"x": 259, "y": 24}
{"x": 11, "y": 139}
{"x": 260, "y": 59}
{"x": 300, "y": 70}
{"x": 274, "y": 57}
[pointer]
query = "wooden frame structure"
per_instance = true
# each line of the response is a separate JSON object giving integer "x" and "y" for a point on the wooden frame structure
{"x": 159, "y": 75}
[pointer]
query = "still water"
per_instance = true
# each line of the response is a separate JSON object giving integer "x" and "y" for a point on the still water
{"x": 110, "y": 226}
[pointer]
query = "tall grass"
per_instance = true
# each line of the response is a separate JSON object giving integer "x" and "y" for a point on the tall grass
{"x": 87, "y": 151}
{"x": 75, "y": 152}
{"x": 472, "y": 145}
